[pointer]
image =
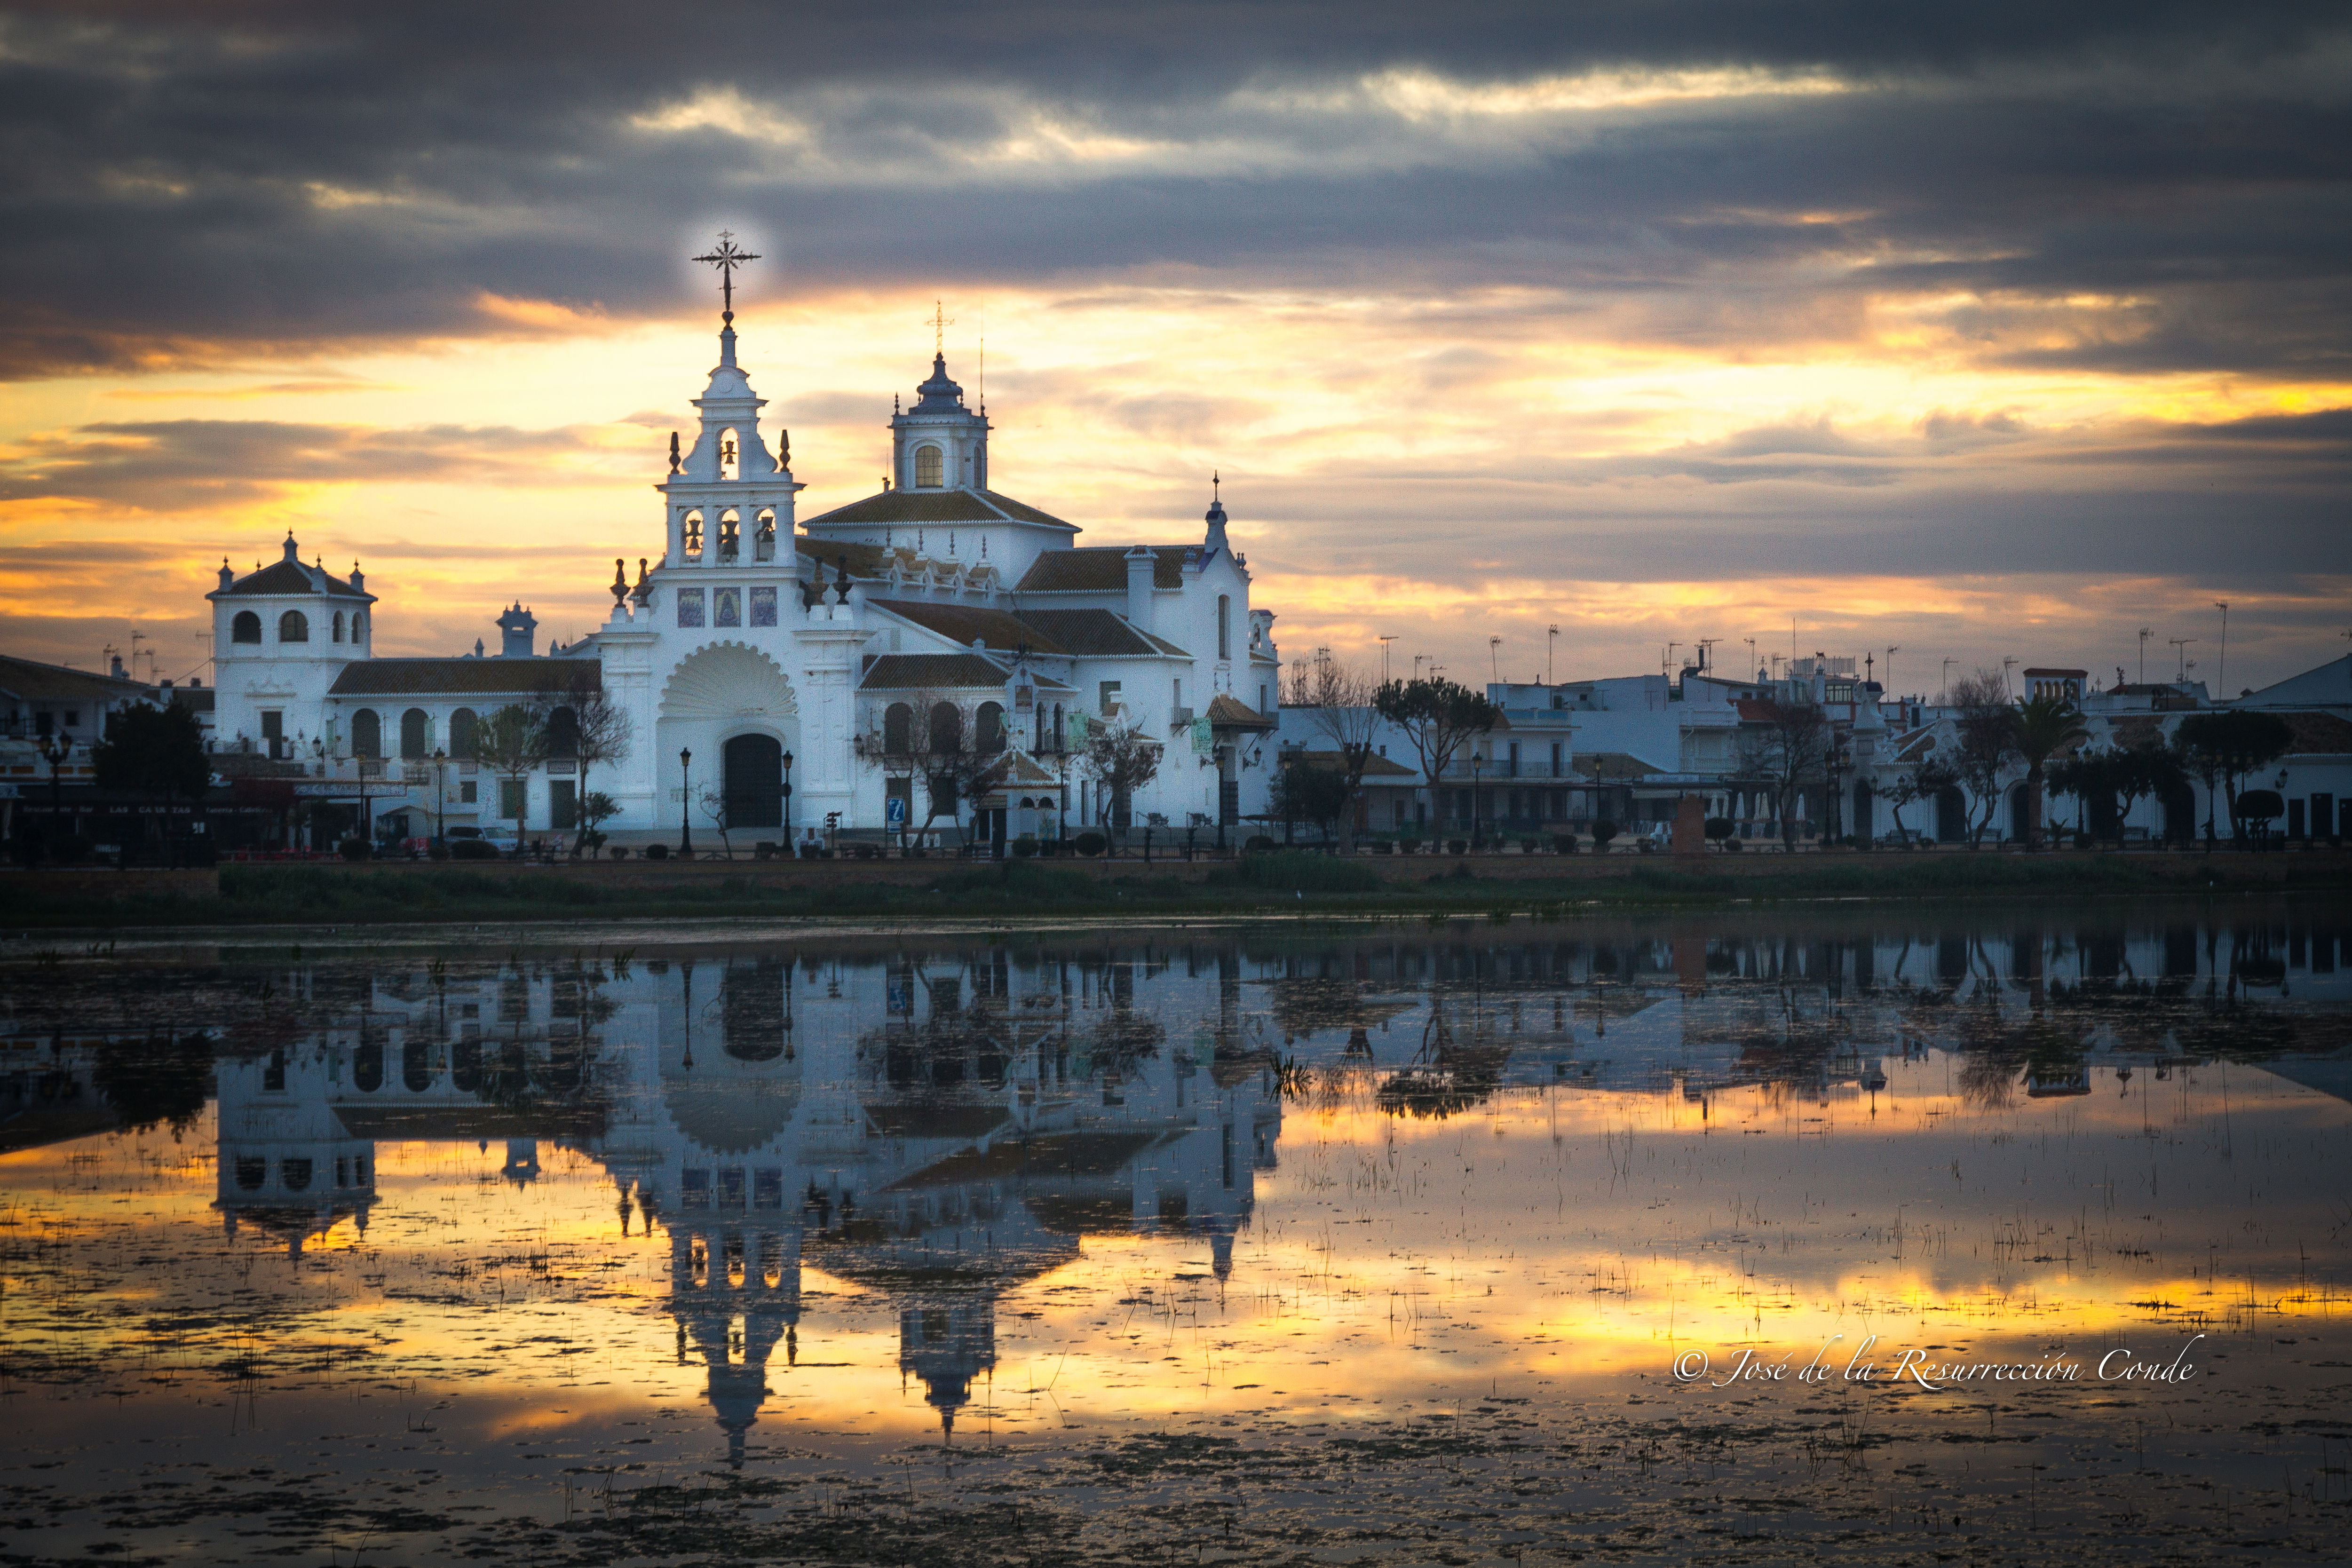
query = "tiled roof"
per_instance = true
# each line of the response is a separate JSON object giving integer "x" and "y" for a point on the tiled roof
{"x": 1098, "y": 633}
{"x": 1100, "y": 570}
{"x": 962, "y": 623}
{"x": 1094, "y": 633}
{"x": 934, "y": 506}
{"x": 286, "y": 578}
{"x": 2318, "y": 734}
{"x": 461, "y": 676}
{"x": 932, "y": 672}
{"x": 863, "y": 560}
{"x": 1226, "y": 714}
{"x": 1376, "y": 768}
{"x": 23, "y": 679}
{"x": 1607, "y": 765}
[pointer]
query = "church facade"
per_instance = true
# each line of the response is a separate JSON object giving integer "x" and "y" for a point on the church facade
{"x": 785, "y": 678}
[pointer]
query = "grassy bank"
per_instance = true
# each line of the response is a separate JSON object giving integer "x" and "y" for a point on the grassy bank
{"x": 1289, "y": 882}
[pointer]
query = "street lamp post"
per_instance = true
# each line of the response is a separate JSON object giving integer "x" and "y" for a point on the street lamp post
{"x": 1476, "y": 760}
{"x": 788, "y": 803}
{"x": 684, "y": 802}
{"x": 440, "y": 798}
{"x": 55, "y": 749}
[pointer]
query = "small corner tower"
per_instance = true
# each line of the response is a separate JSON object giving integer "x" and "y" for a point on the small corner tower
{"x": 516, "y": 630}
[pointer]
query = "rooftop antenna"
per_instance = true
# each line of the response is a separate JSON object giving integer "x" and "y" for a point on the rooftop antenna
{"x": 1494, "y": 658}
{"x": 2144, "y": 635}
{"x": 983, "y": 376}
{"x": 1666, "y": 666}
{"x": 2006, "y": 665}
{"x": 2223, "y": 678}
{"x": 2179, "y": 657}
{"x": 1892, "y": 649}
{"x": 1947, "y": 692}
{"x": 1384, "y": 656}
{"x": 1704, "y": 644}
{"x": 1751, "y": 652}
{"x": 1551, "y": 641}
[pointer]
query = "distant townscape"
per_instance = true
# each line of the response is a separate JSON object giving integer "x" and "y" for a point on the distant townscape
{"x": 940, "y": 667}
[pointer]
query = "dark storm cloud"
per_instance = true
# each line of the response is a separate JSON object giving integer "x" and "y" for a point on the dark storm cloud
{"x": 198, "y": 184}
{"x": 189, "y": 464}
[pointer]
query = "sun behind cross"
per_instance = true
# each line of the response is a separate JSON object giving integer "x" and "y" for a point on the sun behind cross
{"x": 726, "y": 258}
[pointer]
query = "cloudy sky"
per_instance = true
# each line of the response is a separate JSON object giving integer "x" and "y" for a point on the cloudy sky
{"x": 1995, "y": 332}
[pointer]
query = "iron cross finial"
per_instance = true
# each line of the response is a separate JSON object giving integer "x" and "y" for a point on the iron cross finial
{"x": 940, "y": 322}
{"x": 726, "y": 258}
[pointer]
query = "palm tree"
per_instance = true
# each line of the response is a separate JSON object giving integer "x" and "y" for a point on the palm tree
{"x": 2043, "y": 726}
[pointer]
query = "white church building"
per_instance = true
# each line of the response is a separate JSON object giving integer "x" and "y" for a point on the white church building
{"x": 757, "y": 651}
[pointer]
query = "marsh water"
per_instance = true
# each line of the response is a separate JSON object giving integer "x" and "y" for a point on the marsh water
{"x": 1453, "y": 1240}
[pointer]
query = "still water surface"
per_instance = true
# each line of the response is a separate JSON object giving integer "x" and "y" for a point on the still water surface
{"x": 1369, "y": 1243}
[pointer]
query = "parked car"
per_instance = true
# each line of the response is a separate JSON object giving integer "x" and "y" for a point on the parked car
{"x": 502, "y": 838}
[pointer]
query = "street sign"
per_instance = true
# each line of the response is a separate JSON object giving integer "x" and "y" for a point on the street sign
{"x": 894, "y": 812}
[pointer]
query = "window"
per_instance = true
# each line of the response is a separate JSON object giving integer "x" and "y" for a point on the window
{"x": 367, "y": 733}
{"x": 339, "y": 626}
{"x": 898, "y": 730}
{"x": 1224, "y": 626}
{"x": 1555, "y": 759}
{"x": 563, "y": 735}
{"x": 990, "y": 728}
{"x": 1176, "y": 692}
{"x": 245, "y": 627}
{"x": 1261, "y": 699}
{"x": 514, "y": 797}
{"x": 763, "y": 606}
{"x": 947, "y": 728}
{"x": 727, "y": 606}
{"x": 416, "y": 734}
{"x": 926, "y": 467}
{"x": 689, "y": 607}
{"x": 461, "y": 735}
{"x": 469, "y": 792}
{"x": 293, "y": 627}
{"x": 1109, "y": 697}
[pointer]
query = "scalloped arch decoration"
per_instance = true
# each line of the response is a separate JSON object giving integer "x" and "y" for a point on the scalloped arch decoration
{"x": 728, "y": 680}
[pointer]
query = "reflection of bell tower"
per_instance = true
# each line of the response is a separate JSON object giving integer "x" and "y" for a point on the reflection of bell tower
{"x": 735, "y": 1290}
{"x": 947, "y": 1340}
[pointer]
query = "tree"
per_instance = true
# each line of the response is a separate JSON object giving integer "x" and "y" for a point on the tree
{"x": 1988, "y": 736}
{"x": 2108, "y": 783}
{"x": 600, "y": 731}
{"x": 714, "y": 807}
{"x": 596, "y": 809}
{"x": 1786, "y": 746}
{"x": 2044, "y": 725}
{"x": 1922, "y": 780}
{"x": 2231, "y": 743}
{"x": 1313, "y": 792}
{"x": 1438, "y": 718}
{"x": 1343, "y": 703}
{"x": 1122, "y": 759}
{"x": 155, "y": 751}
{"x": 511, "y": 742}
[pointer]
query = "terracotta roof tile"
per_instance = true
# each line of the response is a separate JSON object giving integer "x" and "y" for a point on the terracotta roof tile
{"x": 286, "y": 578}
{"x": 26, "y": 679}
{"x": 890, "y": 506}
{"x": 962, "y": 623}
{"x": 460, "y": 676}
{"x": 1225, "y": 712}
{"x": 1098, "y": 634}
{"x": 932, "y": 672}
{"x": 1100, "y": 570}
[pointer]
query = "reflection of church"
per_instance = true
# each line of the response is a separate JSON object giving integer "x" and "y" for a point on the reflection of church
{"x": 936, "y": 1130}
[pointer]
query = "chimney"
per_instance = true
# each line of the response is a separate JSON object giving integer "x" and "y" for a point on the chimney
{"x": 1140, "y": 565}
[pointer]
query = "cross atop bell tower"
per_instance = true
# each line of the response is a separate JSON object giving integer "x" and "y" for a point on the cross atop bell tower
{"x": 726, "y": 258}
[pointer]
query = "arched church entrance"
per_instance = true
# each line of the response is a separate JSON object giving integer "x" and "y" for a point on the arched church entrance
{"x": 754, "y": 781}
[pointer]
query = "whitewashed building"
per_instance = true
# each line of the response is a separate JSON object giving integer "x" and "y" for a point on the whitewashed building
{"x": 774, "y": 669}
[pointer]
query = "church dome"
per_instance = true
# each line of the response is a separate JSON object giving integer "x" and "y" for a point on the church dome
{"x": 940, "y": 395}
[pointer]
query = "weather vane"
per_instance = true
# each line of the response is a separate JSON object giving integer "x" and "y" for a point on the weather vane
{"x": 726, "y": 258}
